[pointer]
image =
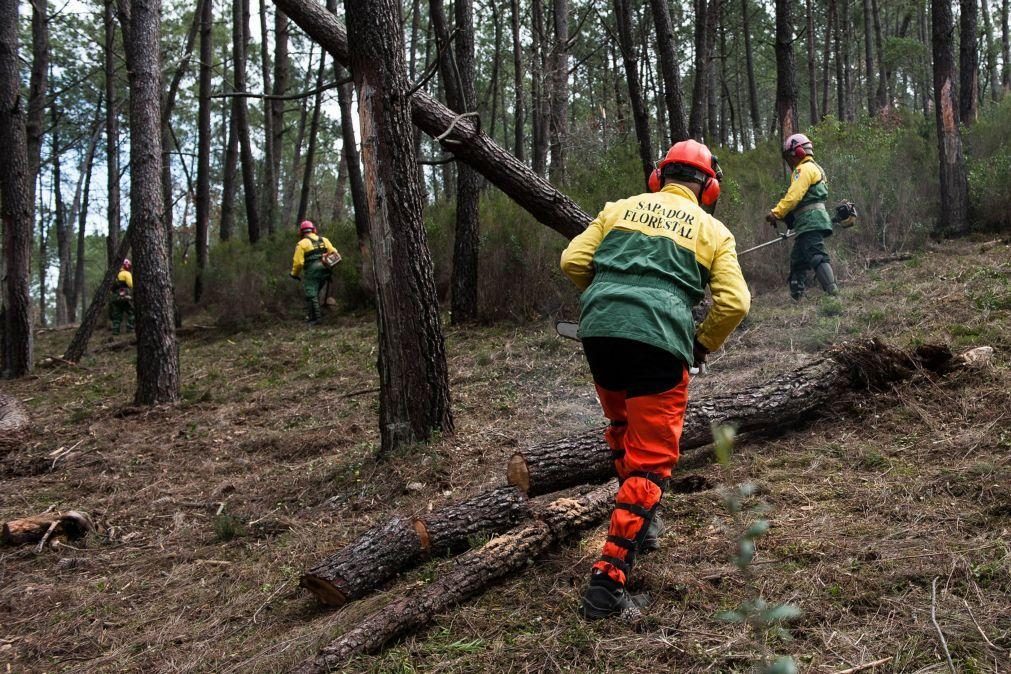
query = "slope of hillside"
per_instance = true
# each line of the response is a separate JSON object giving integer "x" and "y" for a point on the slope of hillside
{"x": 211, "y": 509}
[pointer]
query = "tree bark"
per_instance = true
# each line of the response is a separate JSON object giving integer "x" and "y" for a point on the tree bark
{"x": 756, "y": 121}
{"x": 869, "y": 59}
{"x": 203, "y": 197}
{"x": 954, "y": 184}
{"x": 713, "y": 18}
{"x": 669, "y": 68}
{"x": 354, "y": 171}
{"x": 990, "y": 51}
{"x": 847, "y": 39}
{"x": 559, "y": 90}
{"x": 82, "y": 221}
{"x": 157, "y": 350}
{"x": 537, "y": 95}
{"x": 240, "y": 41}
{"x": 1005, "y": 44}
{"x": 310, "y": 153}
{"x": 968, "y": 63}
{"x": 111, "y": 134}
{"x": 696, "y": 117}
{"x": 882, "y": 92}
{"x": 628, "y": 56}
{"x": 840, "y": 81}
{"x": 812, "y": 68}
{"x": 38, "y": 84}
{"x": 268, "y": 184}
{"x": 786, "y": 73}
{"x": 827, "y": 57}
{"x": 464, "y": 140}
{"x": 60, "y": 224}
{"x": 771, "y": 407}
{"x": 518, "y": 93}
{"x": 16, "y": 205}
{"x": 414, "y": 380}
{"x": 467, "y": 576}
{"x": 79, "y": 344}
{"x": 229, "y": 172}
{"x": 466, "y": 241}
{"x": 15, "y": 424}
{"x": 281, "y": 82}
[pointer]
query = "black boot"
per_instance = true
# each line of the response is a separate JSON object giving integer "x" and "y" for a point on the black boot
{"x": 651, "y": 541}
{"x": 826, "y": 277}
{"x": 605, "y": 598}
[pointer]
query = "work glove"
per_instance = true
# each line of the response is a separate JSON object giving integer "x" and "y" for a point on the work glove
{"x": 772, "y": 220}
{"x": 699, "y": 353}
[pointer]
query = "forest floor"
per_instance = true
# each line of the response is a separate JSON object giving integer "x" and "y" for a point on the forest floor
{"x": 213, "y": 507}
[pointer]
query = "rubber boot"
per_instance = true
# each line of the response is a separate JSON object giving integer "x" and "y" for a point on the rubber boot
{"x": 651, "y": 541}
{"x": 826, "y": 278}
{"x": 606, "y": 598}
{"x": 796, "y": 288}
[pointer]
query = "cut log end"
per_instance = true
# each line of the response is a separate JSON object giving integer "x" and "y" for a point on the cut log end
{"x": 518, "y": 473}
{"x": 325, "y": 590}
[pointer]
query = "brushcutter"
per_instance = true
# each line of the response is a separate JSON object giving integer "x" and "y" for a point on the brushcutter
{"x": 845, "y": 216}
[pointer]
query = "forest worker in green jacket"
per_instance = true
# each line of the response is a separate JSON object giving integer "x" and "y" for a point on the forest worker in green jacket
{"x": 803, "y": 209}
{"x": 307, "y": 265}
{"x": 642, "y": 264}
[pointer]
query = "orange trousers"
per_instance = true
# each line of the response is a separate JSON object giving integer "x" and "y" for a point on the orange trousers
{"x": 644, "y": 435}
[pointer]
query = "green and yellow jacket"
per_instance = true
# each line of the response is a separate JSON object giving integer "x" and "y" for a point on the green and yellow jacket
{"x": 645, "y": 261}
{"x": 808, "y": 187}
{"x": 309, "y": 251}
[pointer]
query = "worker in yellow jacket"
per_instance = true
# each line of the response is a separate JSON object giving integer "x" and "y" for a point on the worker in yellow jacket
{"x": 121, "y": 302}
{"x": 642, "y": 264}
{"x": 308, "y": 266}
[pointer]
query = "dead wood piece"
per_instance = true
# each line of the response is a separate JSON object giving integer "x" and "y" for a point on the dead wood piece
{"x": 888, "y": 259}
{"x": 14, "y": 422}
{"x": 384, "y": 551}
{"x": 773, "y": 406}
{"x": 70, "y": 525}
{"x": 465, "y": 577}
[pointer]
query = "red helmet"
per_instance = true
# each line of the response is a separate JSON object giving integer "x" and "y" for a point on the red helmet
{"x": 127, "y": 265}
{"x": 696, "y": 155}
{"x": 306, "y": 226}
{"x": 798, "y": 145}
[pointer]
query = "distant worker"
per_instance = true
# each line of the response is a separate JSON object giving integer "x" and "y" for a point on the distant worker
{"x": 643, "y": 263}
{"x": 314, "y": 257}
{"x": 121, "y": 303}
{"x": 803, "y": 210}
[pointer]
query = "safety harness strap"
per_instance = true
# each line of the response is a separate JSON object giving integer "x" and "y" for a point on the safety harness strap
{"x": 655, "y": 478}
{"x": 622, "y": 542}
{"x": 620, "y": 563}
{"x": 636, "y": 509}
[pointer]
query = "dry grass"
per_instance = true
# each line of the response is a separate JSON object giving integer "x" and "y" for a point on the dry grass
{"x": 213, "y": 507}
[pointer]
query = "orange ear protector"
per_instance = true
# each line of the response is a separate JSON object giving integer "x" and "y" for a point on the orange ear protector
{"x": 710, "y": 185}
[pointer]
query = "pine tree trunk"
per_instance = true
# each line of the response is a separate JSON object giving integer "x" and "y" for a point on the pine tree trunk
{"x": 78, "y": 290}
{"x": 628, "y": 56}
{"x": 786, "y": 74}
{"x": 60, "y": 224}
{"x": 669, "y": 67}
{"x": 468, "y": 181}
{"x": 869, "y": 59}
{"x": 240, "y": 40}
{"x": 847, "y": 40}
{"x": 990, "y": 51}
{"x": 538, "y": 102}
{"x": 954, "y": 185}
{"x": 111, "y": 134}
{"x": 968, "y": 63}
{"x": 229, "y": 172}
{"x": 827, "y": 58}
{"x": 37, "y": 87}
{"x": 840, "y": 76}
{"x": 268, "y": 190}
{"x": 354, "y": 171}
{"x": 1005, "y": 45}
{"x": 713, "y": 14}
{"x": 881, "y": 95}
{"x": 518, "y": 93}
{"x": 414, "y": 381}
{"x": 812, "y": 68}
{"x": 157, "y": 350}
{"x": 756, "y": 121}
{"x": 281, "y": 77}
{"x": 696, "y": 118}
{"x": 310, "y": 153}
{"x": 42, "y": 263}
{"x": 559, "y": 90}
{"x": 15, "y": 203}
{"x": 203, "y": 197}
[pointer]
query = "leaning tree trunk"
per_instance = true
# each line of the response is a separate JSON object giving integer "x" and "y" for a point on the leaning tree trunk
{"x": 771, "y": 407}
{"x": 15, "y": 202}
{"x": 111, "y": 134}
{"x": 786, "y": 72}
{"x": 414, "y": 380}
{"x": 459, "y": 136}
{"x": 968, "y": 62}
{"x": 467, "y": 576}
{"x": 79, "y": 344}
{"x": 157, "y": 350}
{"x": 669, "y": 68}
{"x": 622, "y": 15}
{"x": 203, "y": 197}
{"x": 954, "y": 185}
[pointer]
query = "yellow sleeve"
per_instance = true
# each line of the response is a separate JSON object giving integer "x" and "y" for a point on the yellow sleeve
{"x": 329, "y": 246}
{"x": 126, "y": 277}
{"x": 731, "y": 297}
{"x": 577, "y": 258}
{"x": 298, "y": 261}
{"x": 804, "y": 176}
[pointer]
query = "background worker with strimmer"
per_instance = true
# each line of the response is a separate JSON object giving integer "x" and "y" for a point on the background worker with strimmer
{"x": 643, "y": 263}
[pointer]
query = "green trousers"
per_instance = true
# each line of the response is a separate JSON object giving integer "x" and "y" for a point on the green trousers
{"x": 313, "y": 278}
{"x": 808, "y": 252}
{"x": 118, "y": 308}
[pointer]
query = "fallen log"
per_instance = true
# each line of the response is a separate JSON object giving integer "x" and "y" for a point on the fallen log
{"x": 773, "y": 406}
{"x": 465, "y": 577}
{"x": 70, "y": 525}
{"x": 14, "y": 422}
{"x": 458, "y": 135}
